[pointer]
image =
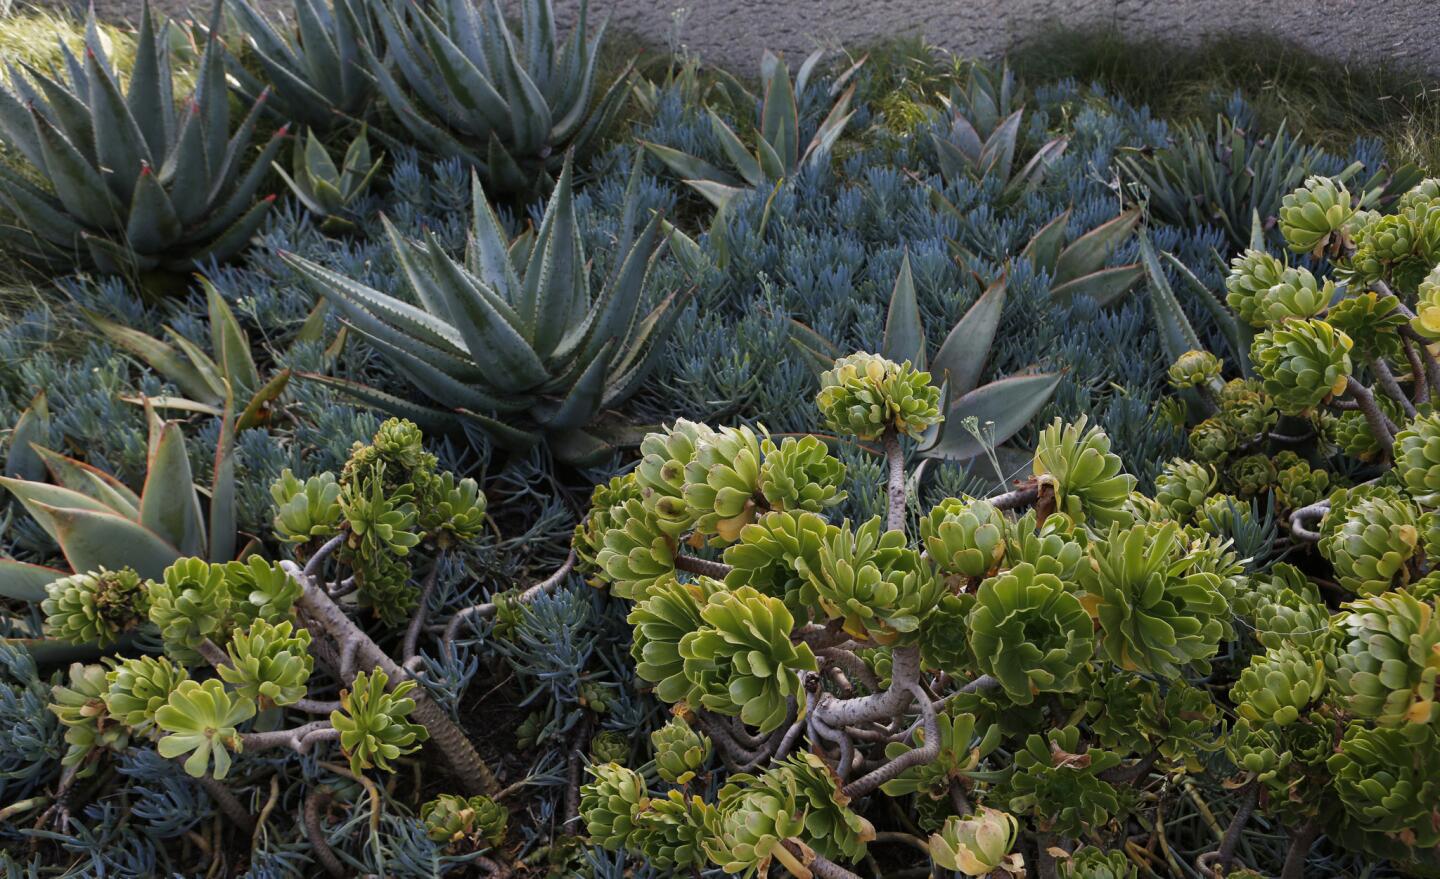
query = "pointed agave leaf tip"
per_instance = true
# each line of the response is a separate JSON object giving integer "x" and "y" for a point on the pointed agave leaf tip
{"x": 284, "y": 130}
{"x": 270, "y": 198}
{"x": 145, "y": 169}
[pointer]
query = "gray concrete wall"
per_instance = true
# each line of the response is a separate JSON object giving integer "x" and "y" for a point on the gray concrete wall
{"x": 733, "y": 32}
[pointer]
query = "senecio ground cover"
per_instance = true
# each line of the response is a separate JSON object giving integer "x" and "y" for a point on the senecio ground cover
{"x": 432, "y": 447}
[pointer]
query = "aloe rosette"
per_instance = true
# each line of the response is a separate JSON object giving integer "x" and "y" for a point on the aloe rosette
{"x": 137, "y": 181}
{"x": 465, "y": 85}
{"x": 512, "y": 341}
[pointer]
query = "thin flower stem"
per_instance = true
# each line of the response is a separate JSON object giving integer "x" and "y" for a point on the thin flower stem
{"x": 422, "y": 610}
{"x": 487, "y": 610}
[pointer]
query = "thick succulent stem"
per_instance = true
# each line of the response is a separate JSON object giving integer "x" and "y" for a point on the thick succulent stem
{"x": 1301, "y": 841}
{"x": 1432, "y": 367}
{"x": 895, "y": 486}
{"x": 826, "y": 869}
{"x": 913, "y": 757}
{"x": 1386, "y": 379}
{"x": 701, "y": 567}
{"x": 470, "y": 768}
{"x": 1418, "y": 373}
{"x": 1379, "y": 426}
{"x": 228, "y": 804}
{"x": 300, "y": 739}
{"x": 1300, "y": 519}
{"x": 1020, "y": 497}
{"x": 1249, "y": 797}
{"x": 316, "y": 801}
{"x": 904, "y": 674}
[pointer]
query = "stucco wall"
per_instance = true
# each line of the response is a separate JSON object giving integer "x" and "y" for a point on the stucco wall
{"x": 733, "y": 32}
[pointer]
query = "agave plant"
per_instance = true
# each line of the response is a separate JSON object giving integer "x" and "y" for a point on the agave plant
{"x": 982, "y": 131}
{"x": 1005, "y": 405}
{"x": 100, "y": 524}
{"x": 325, "y": 190}
{"x": 1225, "y": 177}
{"x": 512, "y": 341}
{"x": 205, "y": 380}
{"x": 509, "y": 106}
{"x": 777, "y": 152}
{"x": 314, "y": 67}
{"x": 138, "y": 181}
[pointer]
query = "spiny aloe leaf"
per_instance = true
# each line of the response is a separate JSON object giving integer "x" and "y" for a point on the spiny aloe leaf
{"x": 1088, "y": 253}
{"x": 24, "y": 582}
{"x": 91, "y": 540}
{"x": 1105, "y": 286}
{"x": 427, "y": 418}
{"x": 222, "y": 487}
{"x": 688, "y": 167}
{"x": 904, "y": 335}
{"x": 254, "y": 413}
{"x": 165, "y": 359}
{"x": 169, "y": 504}
{"x": 1176, "y": 333}
{"x": 1000, "y": 409}
{"x": 1044, "y": 246}
{"x": 961, "y": 358}
{"x": 89, "y": 480}
{"x": 39, "y": 497}
{"x": 231, "y": 345}
{"x": 33, "y": 427}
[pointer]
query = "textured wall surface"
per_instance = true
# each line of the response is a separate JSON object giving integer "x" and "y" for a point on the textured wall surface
{"x": 733, "y": 32}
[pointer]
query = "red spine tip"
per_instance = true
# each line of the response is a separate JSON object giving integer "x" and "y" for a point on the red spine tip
{"x": 145, "y": 169}
{"x": 284, "y": 130}
{"x": 270, "y": 198}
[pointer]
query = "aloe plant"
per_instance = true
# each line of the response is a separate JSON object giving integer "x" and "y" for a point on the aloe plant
{"x": 137, "y": 181}
{"x": 1225, "y": 176}
{"x": 314, "y": 66}
{"x": 982, "y": 131}
{"x": 205, "y": 380}
{"x": 328, "y": 191}
{"x": 777, "y": 153}
{"x": 463, "y": 85}
{"x": 1004, "y": 406}
{"x": 512, "y": 341}
{"x": 99, "y": 522}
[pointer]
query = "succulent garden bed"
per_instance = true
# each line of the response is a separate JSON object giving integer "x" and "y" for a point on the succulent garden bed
{"x": 432, "y": 447}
